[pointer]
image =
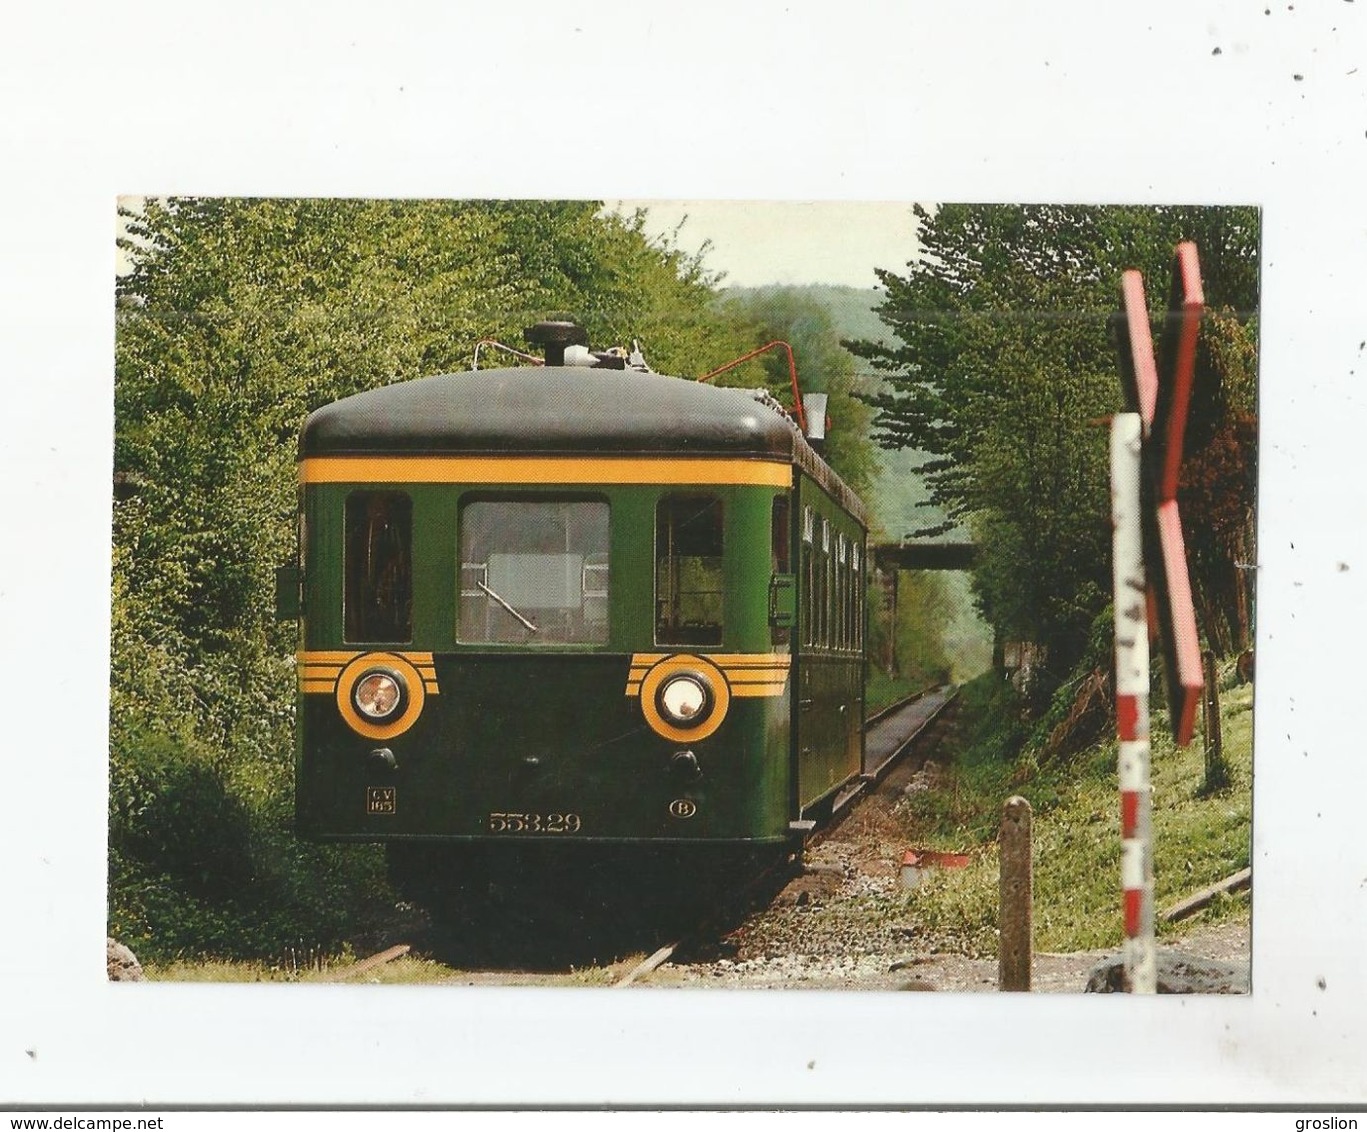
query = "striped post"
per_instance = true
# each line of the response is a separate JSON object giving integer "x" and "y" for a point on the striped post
{"x": 1132, "y": 703}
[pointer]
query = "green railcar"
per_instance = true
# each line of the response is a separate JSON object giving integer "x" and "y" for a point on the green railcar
{"x": 572, "y": 606}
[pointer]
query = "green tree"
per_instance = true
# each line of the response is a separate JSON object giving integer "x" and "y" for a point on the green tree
{"x": 1002, "y": 364}
{"x": 790, "y": 314}
{"x": 236, "y": 319}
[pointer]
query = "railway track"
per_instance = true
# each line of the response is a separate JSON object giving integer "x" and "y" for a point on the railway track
{"x": 890, "y": 735}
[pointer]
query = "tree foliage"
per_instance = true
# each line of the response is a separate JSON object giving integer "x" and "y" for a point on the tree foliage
{"x": 1002, "y": 367}
{"x": 789, "y": 314}
{"x": 235, "y": 319}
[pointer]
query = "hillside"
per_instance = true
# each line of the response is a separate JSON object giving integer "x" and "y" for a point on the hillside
{"x": 900, "y": 503}
{"x": 900, "y": 495}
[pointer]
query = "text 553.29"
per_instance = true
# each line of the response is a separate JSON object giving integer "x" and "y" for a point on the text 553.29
{"x": 533, "y": 823}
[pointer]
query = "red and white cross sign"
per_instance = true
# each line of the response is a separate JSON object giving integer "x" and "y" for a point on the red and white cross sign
{"x": 1162, "y": 399}
{"x": 1150, "y": 573}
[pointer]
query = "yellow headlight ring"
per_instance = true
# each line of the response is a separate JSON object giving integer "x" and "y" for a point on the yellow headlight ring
{"x": 694, "y": 665}
{"x": 416, "y": 695}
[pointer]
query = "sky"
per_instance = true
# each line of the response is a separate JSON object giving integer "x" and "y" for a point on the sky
{"x": 795, "y": 242}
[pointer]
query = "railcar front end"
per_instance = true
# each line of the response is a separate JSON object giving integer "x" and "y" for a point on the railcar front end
{"x": 552, "y": 611}
{"x": 505, "y": 648}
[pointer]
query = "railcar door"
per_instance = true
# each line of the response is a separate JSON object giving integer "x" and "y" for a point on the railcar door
{"x": 829, "y": 669}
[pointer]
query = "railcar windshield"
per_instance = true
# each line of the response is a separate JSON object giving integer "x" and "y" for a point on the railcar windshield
{"x": 689, "y": 583}
{"x": 534, "y": 572}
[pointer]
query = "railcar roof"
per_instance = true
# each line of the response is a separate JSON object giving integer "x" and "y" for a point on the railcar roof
{"x": 561, "y": 410}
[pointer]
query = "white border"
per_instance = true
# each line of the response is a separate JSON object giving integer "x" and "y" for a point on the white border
{"x": 864, "y": 100}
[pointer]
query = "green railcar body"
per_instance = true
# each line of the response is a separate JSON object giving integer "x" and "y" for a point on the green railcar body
{"x": 645, "y": 528}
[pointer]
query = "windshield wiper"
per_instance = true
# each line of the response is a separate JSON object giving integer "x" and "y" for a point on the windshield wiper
{"x": 530, "y": 627}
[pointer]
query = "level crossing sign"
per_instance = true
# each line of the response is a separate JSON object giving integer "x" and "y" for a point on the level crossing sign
{"x": 1152, "y": 587}
{"x": 1159, "y": 391}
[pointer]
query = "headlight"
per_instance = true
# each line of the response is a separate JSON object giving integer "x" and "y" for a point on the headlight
{"x": 684, "y": 700}
{"x": 379, "y": 694}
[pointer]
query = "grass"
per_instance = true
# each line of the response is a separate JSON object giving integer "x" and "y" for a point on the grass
{"x": 1198, "y": 839}
{"x": 406, "y": 970}
{"x": 234, "y": 971}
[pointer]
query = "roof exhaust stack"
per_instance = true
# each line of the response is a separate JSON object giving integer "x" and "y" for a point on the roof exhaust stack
{"x": 554, "y": 335}
{"x": 814, "y": 413}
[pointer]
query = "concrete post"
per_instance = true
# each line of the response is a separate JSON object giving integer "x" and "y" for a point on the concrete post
{"x": 1217, "y": 770}
{"x": 894, "y": 668}
{"x": 1016, "y": 947}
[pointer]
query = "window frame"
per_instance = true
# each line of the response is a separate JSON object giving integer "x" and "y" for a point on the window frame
{"x": 347, "y": 594}
{"x": 685, "y": 493}
{"x": 475, "y": 498}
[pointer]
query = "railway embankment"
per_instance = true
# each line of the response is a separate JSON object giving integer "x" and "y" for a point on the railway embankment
{"x": 852, "y": 922}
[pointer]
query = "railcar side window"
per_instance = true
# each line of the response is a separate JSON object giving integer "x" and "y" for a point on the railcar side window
{"x": 378, "y": 594}
{"x": 534, "y": 572}
{"x": 823, "y": 587}
{"x": 689, "y": 583}
{"x": 780, "y": 556}
{"x": 860, "y": 596}
{"x": 852, "y": 602}
{"x": 808, "y": 577}
{"x": 842, "y": 618}
{"x": 861, "y": 591}
{"x": 779, "y": 534}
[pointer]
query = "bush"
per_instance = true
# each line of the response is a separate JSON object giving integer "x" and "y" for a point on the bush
{"x": 172, "y": 814}
{"x": 997, "y": 728}
{"x": 201, "y": 865}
